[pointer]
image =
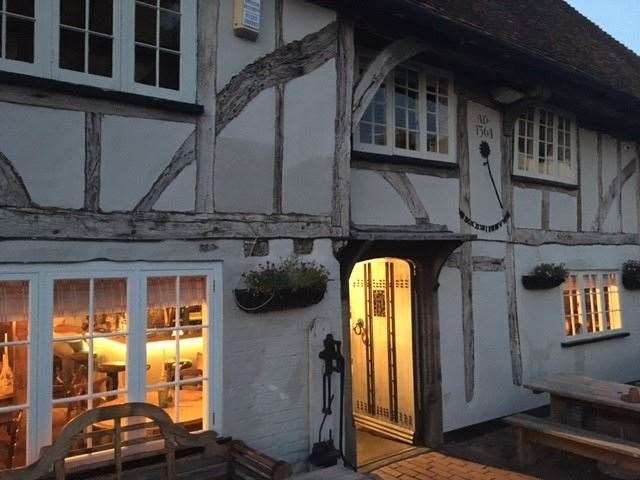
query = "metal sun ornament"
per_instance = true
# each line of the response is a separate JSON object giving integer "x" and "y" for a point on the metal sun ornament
{"x": 485, "y": 151}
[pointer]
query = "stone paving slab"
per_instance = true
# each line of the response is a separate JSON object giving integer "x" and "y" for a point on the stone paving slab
{"x": 435, "y": 465}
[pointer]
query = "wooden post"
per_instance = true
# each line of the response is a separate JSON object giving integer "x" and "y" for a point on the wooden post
{"x": 93, "y": 158}
{"x": 345, "y": 64}
{"x": 208, "y": 11}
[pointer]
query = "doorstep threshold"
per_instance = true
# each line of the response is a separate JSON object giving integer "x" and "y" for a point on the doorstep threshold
{"x": 379, "y": 462}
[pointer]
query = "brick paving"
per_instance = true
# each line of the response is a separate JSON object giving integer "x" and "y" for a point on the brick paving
{"x": 438, "y": 466}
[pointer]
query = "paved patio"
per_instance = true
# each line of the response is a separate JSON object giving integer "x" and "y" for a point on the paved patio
{"x": 435, "y": 465}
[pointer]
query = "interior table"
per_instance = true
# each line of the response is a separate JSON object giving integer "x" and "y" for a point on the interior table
{"x": 595, "y": 404}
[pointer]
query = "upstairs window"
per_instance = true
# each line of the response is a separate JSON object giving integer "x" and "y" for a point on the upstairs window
{"x": 545, "y": 145}
{"x": 86, "y": 36}
{"x": 591, "y": 304}
{"x": 409, "y": 115}
{"x": 17, "y": 30}
{"x": 137, "y": 46}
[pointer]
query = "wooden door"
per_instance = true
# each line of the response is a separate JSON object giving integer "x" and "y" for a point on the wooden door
{"x": 380, "y": 297}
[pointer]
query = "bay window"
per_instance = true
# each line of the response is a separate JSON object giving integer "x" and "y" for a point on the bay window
{"x": 104, "y": 335}
{"x": 137, "y": 46}
{"x": 591, "y": 304}
{"x": 410, "y": 115}
{"x": 545, "y": 145}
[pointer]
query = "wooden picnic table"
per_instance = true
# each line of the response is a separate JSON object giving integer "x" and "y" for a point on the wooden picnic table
{"x": 597, "y": 403}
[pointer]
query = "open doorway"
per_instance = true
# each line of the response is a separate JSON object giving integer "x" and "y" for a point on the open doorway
{"x": 382, "y": 358}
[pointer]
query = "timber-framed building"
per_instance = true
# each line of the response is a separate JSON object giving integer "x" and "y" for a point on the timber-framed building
{"x": 428, "y": 153}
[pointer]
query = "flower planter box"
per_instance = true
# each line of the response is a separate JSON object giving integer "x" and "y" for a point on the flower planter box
{"x": 535, "y": 282}
{"x": 252, "y": 301}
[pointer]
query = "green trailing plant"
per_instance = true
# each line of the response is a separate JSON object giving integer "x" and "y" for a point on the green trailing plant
{"x": 631, "y": 274}
{"x": 291, "y": 274}
{"x": 291, "y": 283}
{"x": 545, "y": 275}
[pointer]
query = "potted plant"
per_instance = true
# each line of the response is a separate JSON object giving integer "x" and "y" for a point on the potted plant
{"x": 289, "y": 284}
{"x": 545, "y": 276}
{"x": 631, "y": 274}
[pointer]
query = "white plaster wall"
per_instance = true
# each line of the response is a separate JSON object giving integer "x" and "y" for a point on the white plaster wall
{"x": 589, "y": 179}
{"x": 134, "y": 152}
{"x": 309, "y": 141}
{"x": 235, "y": 53}
{"x": 527, "y": 206}
{"x": 267, "y": 398}
{"x": 542, "y": 325}
{"x": 46, "y": 146}
{"x": 433, "y": 191}
{"x": 484, "y": 204}
{"x": 375, "y": 202}
{"x": 180, "y": 195}
{"x": 494, "y": 393}
{"x": 301, "y": 18}
{"x": 609, "y": 174}
{"x": 630, "y": 190}
{"x": 451, "y": 346}
{"x": 243, "y": 172}
{"x": 563, "y": 212}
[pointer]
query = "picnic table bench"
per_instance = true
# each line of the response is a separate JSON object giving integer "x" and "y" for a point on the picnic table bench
{"x": 174, "y": 453}
{"x": 588, "y": 418}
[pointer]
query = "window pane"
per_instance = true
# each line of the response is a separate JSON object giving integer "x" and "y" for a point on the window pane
{"x": 110, "y": 305}
{"x": 171, "y": 4}
{"x": 169, "y": 71}
{"x": 71, "y": 310}
{"x": 145, "y": 65}
{"x": 14, "y": 368}
{"x": 19, "y": 39}
{"x": 14, "y": 311}
{"x": 101, "y": 16}
{"x": 72, "y": 13}
{"x": 193, "y": 300}
{"x": 161, "y": 302}
{"x": 21, "y": 7}
{"x": 146, "y": 25}
{"x": 169, "y": 30}
{"x": 62, "y": 413}
{"x": 70, "y": 368}
{"x": 365, "y": 133}
{"x": 100, "y": 55}
{"x": 14, "y": 439}
{"x": 71, "y": 50}
{"x": 110, "y": 364}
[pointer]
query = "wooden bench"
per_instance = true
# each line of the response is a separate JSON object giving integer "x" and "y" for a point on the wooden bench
{"x": 611, "y": 451}
{"x": 121, "y": 433}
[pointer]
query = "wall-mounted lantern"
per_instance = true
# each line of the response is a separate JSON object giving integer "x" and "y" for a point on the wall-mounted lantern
{"x": 246, "y": 18}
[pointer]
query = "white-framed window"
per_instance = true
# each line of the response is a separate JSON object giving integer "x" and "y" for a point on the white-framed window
{"x": 16, "y": 358}
{"x": 411, "y": 115}
{"x": 137, "y": 46}
{"x": 591, "y": 304}
{"x": 76, "y": 337}
{"x": 545, "y": 145}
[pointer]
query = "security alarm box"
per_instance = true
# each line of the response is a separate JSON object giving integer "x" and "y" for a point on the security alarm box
{"x": 246, "y": 18}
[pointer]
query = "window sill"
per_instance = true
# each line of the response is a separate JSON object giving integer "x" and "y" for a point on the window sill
{"x": 543, "y": 182}
{"x": 598, "y": 338}
{"x": 357, "y": 155}
{"x": 57, "y": 86}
